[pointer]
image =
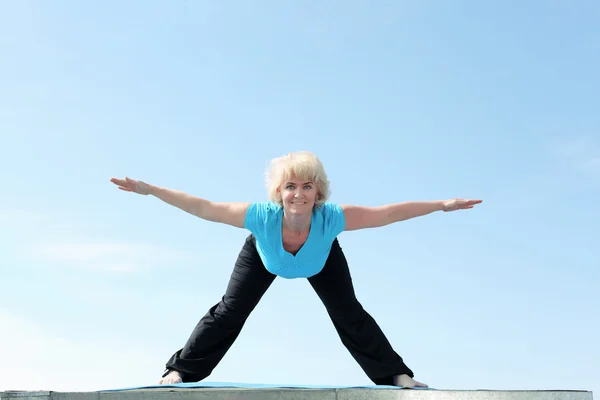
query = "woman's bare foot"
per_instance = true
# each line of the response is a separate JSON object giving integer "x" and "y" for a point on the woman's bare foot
{"x": 407, "y": 381}
{"x": 171, "y": 377}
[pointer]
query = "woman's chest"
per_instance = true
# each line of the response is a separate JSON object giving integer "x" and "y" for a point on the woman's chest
{"x": 293, "y": 242}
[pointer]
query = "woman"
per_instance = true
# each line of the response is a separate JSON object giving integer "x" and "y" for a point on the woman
{"x": 293, "y": 235}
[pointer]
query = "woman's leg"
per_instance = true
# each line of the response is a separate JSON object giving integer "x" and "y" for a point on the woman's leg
{"x": 357, "y": 329}
{"x": 217, "y": 330}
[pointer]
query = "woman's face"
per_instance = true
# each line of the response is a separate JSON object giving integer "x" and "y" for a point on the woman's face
{"x": 298, "y": 196}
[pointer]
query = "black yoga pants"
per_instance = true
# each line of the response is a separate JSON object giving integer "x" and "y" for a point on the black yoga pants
{"x": 217, "y": 330}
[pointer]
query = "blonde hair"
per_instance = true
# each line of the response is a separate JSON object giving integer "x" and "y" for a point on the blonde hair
{"x": 303, "y": 165}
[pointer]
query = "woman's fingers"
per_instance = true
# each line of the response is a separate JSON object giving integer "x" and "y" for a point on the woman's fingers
{"x": 127, "y": 183}
{"x": 131, "y": 185}
{"x": 117, "y": 181}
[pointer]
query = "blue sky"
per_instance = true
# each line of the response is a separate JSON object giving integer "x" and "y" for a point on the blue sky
{"x": 400, "y": 100}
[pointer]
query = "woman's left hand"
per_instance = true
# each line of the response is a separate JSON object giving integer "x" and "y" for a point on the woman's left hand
{"x": 459, "y": 204}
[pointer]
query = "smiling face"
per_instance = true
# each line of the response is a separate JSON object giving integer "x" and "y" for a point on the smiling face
{"x": 297, "y": 181}
{"x": 298, "y": 195}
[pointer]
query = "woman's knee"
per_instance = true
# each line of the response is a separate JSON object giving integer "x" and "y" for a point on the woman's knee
{"x": 230, "y": 312}
{"x": 347, "y": 312}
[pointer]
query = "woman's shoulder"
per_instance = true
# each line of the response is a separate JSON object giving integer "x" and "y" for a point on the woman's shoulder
{"x": 329, "y": 211}
{"x": 262, "y": 214}
{"x": 331, "y": 216}
{"x": 268, "y": 206}
{"x": 329, "y": 208}
{"x": 265, "y": 209}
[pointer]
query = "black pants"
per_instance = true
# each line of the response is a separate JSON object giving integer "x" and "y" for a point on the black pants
{"x": 217, "y": 330}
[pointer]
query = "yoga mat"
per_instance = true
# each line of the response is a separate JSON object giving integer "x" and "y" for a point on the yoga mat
{"x": 238, "y": 385}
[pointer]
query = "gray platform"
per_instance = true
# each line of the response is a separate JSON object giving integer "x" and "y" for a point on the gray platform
{"x": 303, "y": 394}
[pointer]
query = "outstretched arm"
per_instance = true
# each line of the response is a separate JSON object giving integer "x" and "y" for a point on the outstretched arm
{"x": 227, "y": 213}
{"x": 360, "y": 217}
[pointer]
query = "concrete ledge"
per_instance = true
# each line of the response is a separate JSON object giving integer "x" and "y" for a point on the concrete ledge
{"x": 302, "y": 394}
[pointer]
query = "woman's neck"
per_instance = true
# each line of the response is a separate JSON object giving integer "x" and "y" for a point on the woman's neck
{"x": 296, "y": 223}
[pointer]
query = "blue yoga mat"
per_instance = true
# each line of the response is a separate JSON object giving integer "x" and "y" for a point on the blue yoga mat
{"x": 198, "y": 385}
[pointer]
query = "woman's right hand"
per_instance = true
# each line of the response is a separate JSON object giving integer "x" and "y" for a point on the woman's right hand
{"x": 131, "y": 185}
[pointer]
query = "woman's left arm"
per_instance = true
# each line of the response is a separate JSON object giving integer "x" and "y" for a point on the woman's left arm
{"x": 361, "y": 217}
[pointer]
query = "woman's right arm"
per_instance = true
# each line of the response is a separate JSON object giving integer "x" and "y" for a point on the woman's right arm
{"x": 226, "y": 213}
{"x": 233, "y": 214}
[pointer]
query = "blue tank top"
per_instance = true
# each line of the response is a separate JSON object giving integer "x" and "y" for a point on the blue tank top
{"x": 265, "y": 219}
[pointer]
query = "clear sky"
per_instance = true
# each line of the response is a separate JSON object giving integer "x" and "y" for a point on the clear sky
{"x": 400, "y": 100}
